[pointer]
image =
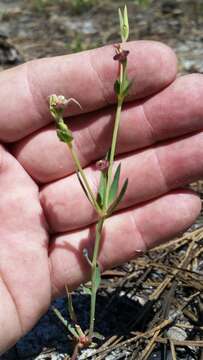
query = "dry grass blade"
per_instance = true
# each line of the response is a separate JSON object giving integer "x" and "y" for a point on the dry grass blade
{"x": 173, "y": 351}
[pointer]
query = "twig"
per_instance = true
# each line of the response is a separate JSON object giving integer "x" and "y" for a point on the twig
{"x": 173, "y": 351}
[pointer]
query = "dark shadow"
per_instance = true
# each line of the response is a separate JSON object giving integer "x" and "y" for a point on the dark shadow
{"x": 86, "y": 243}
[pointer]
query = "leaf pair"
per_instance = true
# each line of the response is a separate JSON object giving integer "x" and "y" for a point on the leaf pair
{"x": 63, "y": 132}
{"x": 122, "y": 88}
{"x": 124, "y": 24}
{"x": 114, "y": 198}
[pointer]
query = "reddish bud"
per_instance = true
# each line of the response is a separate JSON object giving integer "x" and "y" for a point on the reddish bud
{"x": 84, "y": 342}
{"x": 102, "y": 165}
{"x": 121, "y": 56}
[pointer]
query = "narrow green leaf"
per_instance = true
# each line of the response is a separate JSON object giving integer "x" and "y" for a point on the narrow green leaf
{"x": 73, "y": 331}
{"x": 114, "y": 186}
{"x": 125, "y": 23}
{"x": 60, "y": 316}
{"x": 70, "y": 327}
{"x": 102, "y": 189}
{"x": 121, "y": 22}
{"x": 83, "y": 186}
{"x": 126, "y": 87}
{"x": 97, "y": 277}
{"x": 117, "y": 87}
{"x": 119, "y": 198}
{"x": 70, "y": 305}
{"x": 99, "y": 200}
{"x": 102, "y": 183}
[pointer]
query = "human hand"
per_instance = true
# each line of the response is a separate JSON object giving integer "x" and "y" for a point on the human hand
{"x": 46, "y": 222}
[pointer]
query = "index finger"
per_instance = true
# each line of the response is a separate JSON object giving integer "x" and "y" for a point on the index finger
{"x": 88, "y": 77}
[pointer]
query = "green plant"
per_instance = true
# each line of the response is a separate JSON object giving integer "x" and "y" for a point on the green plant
{"x": 108, "y": 196}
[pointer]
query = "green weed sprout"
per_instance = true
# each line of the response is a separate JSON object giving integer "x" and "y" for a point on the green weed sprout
{"x": 108, "y": 196}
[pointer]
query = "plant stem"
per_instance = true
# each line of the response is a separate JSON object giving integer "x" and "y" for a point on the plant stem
{"x": 100, "y": 223}
{"x": 113, "y": 149}
{"x": 99, "y": 227}
{"x": 80, "y": 169}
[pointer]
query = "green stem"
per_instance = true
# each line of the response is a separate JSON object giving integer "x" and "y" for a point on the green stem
{"x": 121, "y": 73}
{"x": 99, "y": 227}
{"x": 113, "y": 150}
{"x": 80, "y": 169}
{"x": 100, "y": 223}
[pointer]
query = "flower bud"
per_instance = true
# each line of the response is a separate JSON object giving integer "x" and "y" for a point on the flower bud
{"x": 102, "y": 165}
{"x": 121, "y": 56}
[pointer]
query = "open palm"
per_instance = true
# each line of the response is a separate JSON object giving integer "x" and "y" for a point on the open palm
{"x": 45, "y": 218}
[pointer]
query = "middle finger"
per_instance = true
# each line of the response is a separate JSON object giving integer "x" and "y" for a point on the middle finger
{"x": 175, "y": 111}
{"x": 152, "y": 173}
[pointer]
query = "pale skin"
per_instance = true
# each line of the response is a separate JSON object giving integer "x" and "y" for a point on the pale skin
{"x": 46, "y": 220}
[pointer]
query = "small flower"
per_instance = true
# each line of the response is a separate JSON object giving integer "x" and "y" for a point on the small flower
{"x": 59, "y": 102}
{"x": 121, "y": 55}
{"x": 102, "y": 165}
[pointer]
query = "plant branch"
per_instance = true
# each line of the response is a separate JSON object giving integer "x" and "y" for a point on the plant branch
{"x": 82, "y": 173}
{"x": 113, "y": 150}
{"x": 94, "y": 275}
{"x": 108, "y": 197}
